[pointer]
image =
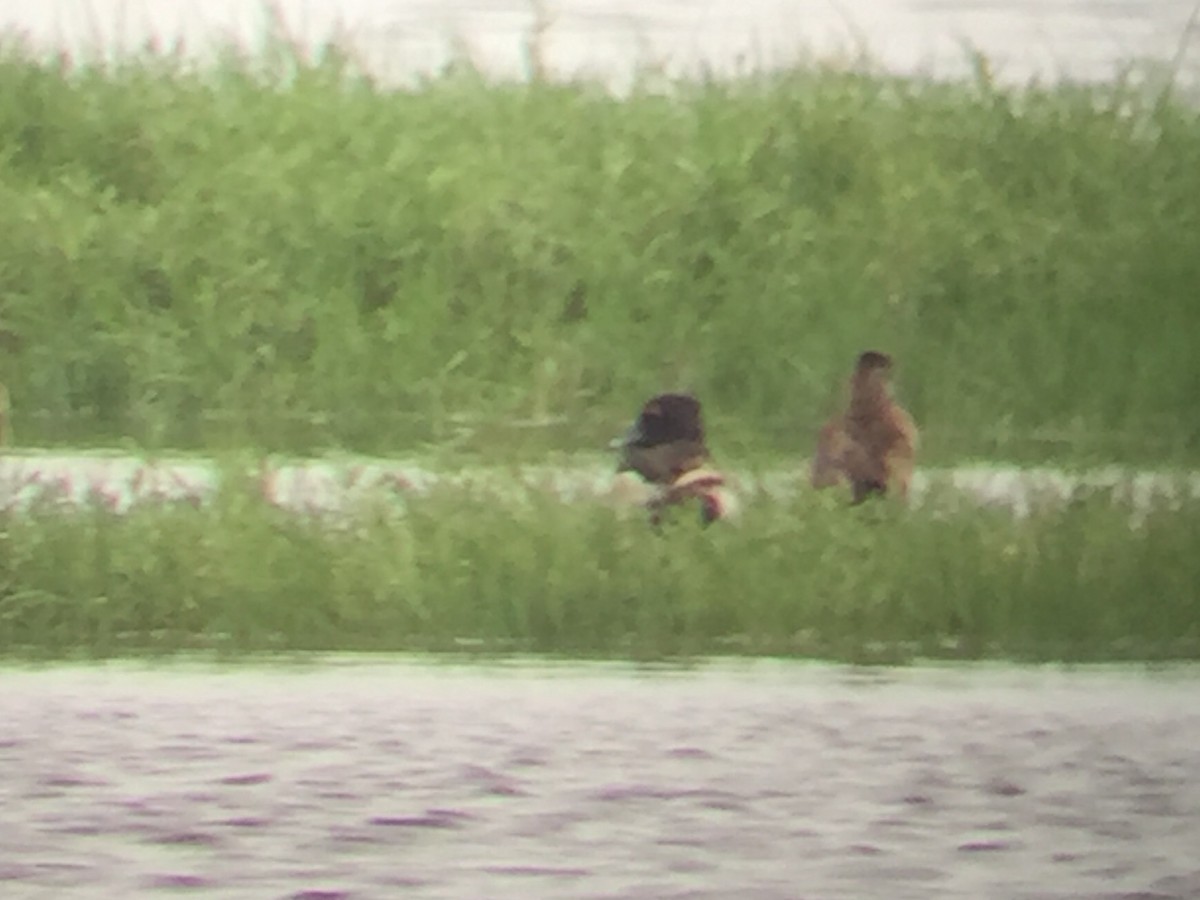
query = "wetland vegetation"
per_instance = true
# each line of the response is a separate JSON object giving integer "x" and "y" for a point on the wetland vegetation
{"x": 278, "y": 253}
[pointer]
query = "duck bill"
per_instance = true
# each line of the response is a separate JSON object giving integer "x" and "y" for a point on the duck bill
{"x": 633, "y": 437}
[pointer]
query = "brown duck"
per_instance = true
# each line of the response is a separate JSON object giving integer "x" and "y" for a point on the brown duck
{"x": 873, "y": 443}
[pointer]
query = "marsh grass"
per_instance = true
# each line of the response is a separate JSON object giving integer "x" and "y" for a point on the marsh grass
{"x": 462, "y": 568}
{"x": 278, "y": 252}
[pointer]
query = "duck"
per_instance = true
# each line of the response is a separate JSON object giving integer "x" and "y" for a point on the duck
{"x": 666, "y": 446}
{"x": 872, "y": 444}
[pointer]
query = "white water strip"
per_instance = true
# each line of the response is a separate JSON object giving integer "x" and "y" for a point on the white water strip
{"x": 321, "y": 486}
{"x": 400, "y": 41}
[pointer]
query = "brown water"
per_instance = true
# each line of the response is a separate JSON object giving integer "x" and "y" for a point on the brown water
{"x": 348, "y": 779}
{"x": 610, "y": 39}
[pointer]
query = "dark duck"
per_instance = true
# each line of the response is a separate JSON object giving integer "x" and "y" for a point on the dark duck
{"x": 666, "y": 447}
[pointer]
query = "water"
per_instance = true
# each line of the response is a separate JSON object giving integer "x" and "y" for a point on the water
{"x": 610, "y": 39}
{"x": 353, "y": 779}
{"x": 117, "y": 482}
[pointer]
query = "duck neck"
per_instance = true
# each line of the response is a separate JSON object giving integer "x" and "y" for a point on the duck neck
{"x": 869, "y": 395}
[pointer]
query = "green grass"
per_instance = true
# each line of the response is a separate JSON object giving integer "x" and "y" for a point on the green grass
{"x": 460, "y": 568}
{"x": 283, "y": 254}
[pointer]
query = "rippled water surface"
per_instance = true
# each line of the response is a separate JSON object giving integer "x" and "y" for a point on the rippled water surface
{"x": 345, "y": 779}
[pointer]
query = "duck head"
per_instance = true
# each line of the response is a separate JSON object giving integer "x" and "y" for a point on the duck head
{"x": 665, "y": 441}
{"x": 666, "y": 446}
{"x": 873, "y": 360}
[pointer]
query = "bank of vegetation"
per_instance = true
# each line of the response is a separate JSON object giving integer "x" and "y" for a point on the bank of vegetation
{"x": 278, "y": 253}
{"x": 281, "y": 253}
{"x": 465, "y": 568}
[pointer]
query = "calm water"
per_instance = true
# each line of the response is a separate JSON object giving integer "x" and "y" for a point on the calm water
{"x": 608, "y": 39}
{"x": 769, "y": 781}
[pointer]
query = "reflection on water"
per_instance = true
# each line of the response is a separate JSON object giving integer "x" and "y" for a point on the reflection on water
{"x": 764, "y": 781}
{"x": 609, "y": 39}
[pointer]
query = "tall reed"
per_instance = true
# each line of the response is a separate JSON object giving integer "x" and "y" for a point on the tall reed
{"x": 280, "y": 252}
